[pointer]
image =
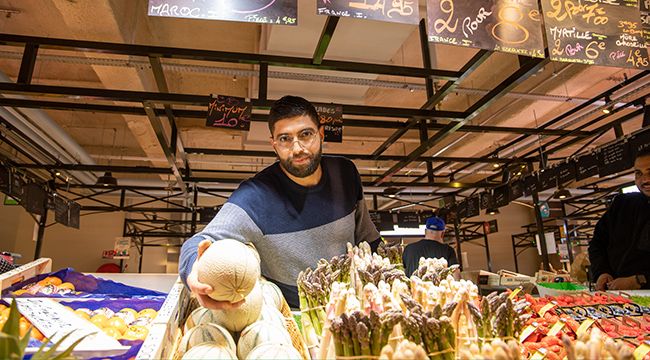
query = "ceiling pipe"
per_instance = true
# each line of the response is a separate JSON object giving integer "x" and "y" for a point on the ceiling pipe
{"x": 47, "y": 133}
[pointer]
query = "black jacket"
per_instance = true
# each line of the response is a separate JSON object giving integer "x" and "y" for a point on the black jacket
{"x": 621, "y": 243}
{"x": 426, "y": 249}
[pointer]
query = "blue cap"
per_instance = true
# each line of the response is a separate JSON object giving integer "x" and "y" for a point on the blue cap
{"x": 435, "y": 223}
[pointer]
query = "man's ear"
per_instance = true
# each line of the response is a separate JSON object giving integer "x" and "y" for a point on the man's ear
{"x": 321, "y": 131}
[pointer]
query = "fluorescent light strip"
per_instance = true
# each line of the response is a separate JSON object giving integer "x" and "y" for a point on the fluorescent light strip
{"x": 404, "y": 231}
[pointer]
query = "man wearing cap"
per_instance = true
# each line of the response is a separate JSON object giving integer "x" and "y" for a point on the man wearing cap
{"x": 431, "y": 246}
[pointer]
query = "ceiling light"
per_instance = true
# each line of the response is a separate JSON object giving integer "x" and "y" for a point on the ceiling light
{"x": 392, "y": 192}
{"x": 562, "y": 194}
{"x": 495, "y": 165}
{"x": 57, "y": 173}
{"x": 608, "y": 109}
{"x": 107, "y": 179}
{"x": 492, "y": 211}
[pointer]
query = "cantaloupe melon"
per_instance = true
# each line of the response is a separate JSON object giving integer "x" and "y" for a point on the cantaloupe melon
{"x": 209, "y": 351}
{"x": 200, "y": 315}
{"x": 274, "y": 351}
{"x": 273, "y": 315}
{"x": 272, "y": 294}
{"x": 236, "y": 319}
{"x": 231, "y": 268}
{"x": 210, "y": 333}
{"x": 258, "y": 333}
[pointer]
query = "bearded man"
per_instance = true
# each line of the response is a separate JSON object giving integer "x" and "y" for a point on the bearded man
{"x": 303, "y": 208}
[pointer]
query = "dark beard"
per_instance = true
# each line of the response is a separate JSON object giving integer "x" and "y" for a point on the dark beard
{"x": 303, "y": 171}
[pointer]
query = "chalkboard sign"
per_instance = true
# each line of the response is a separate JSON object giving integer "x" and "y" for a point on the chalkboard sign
{"x": 614, "y": 158}
{"x": 586, "y": 166}
{"x": 447, "y": 201}
{"x": 566, "y": 172}
{"x": 5, "y": 180}
{"x": 35, "y": 199}
{"x": 387, "y": 223}
{"x": 512, "y": 26}
{"x": 531, "y": 184}
{"x": 279, "y": 12}
{"x": 486, "y": 200}
{"x": 74, "y": 215}
{"x": 461, "y": 209}
{"x": 61, "y": 210}
{"x": 331, "y": 117}
{"x": 17, "y": 187}
{"x": 640, "y": 141}
{"x": 473, "y": 206}
{"x": 596, "y": 33}
{"x": 229, "y": 112}
{"x": 408, "y": 220}
{"x": 547, "y": 179}
{"x": 490, "y": 227}
{"x": 645, "y": 18}
{"x": 516, "y": 189}
{"x": 401, "y": 11}
{"x": 501, "y": 195}
{"x": 207, "y": 214}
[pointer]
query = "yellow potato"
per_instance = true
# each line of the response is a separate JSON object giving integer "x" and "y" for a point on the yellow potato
{"x": 99, "y": 320}
{"x": 135, "y": 332}
{"x": 117, "y": 323}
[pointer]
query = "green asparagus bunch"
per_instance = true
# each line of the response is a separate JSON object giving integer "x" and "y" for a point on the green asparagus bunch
{"x": 434, "y": 270}
{"x": 498, "y": 316}
{"x": 392, "y": 249}
{"x": 357, "y": 334}
{"x": 436, "y": 335}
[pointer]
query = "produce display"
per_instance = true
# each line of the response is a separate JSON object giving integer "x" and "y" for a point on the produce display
{"x": 258, "y": 328}
{"x": 25, "y": 325}
{"x": 51, "y": 285}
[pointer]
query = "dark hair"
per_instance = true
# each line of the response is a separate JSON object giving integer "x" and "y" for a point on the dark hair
{"x": 292, "y": 106}
{"x": 643, "y": 152}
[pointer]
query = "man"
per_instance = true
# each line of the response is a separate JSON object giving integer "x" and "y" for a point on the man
{"x": 620, "y": 249}
{"x": 305, "y": 207}
{"x": 431, "y": 246}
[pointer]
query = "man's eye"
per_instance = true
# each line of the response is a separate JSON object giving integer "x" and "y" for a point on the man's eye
{"x": 306, "y": 134}
{"x": 284, "y": 139}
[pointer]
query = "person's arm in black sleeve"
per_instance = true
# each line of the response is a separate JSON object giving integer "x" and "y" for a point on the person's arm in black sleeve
{"x": 598, "y": 248}
{"x": 453, "y": 260}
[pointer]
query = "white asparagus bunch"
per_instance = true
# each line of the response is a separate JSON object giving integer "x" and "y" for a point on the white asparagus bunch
{"x": 497, "y": 350}
{"x": 595, "y": 346}
{"x": 405, "y": 350}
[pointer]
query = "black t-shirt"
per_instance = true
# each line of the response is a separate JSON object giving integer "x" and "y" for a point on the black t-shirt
{"x": 426, "y": 249}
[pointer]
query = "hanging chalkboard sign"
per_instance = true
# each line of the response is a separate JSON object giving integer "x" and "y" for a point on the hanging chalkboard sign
{"x": 278, "y": 12}
{"x": 595, "y": 33}
{"x": 61, "y": 210}
{"x": 229, "y": 112}
{"x": 531, "y": 184}
{"x": 424, "y": 215}
{"x": 486, "y": 200}
{"x": 74, "y": 215}
{"x": 473, "y": 206}
{"x": 408, "y": 220}
{"x": 547, "y": 179}
{"x": 35, "y": 199}
{"x": 639, "y": 141}
{"x": 516, "y": 189}
{"x": 512, "y": 26}
{"x": 566, "y": 172}
{"x": 17, "y": 187}
{"x": 447, "y": 201}
{"x": 461, "y": 209}
{"x": 614, "y": 158}
{"x": 402, "y": 11}
{"x": 501, "y": 195}
{"x": 387, "y": 221}
{"x": 645, "y": 18}
{"x": 5, "y": 179}
{"x": 331, "y": 117}
{"x": 586, "y": 166}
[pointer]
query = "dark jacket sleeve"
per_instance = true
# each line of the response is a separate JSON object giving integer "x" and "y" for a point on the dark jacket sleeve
{"x": 452, "y": 259}
{"x": 598, "y": 246}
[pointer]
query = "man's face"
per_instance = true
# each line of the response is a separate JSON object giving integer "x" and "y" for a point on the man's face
{"x": 642, "y": 174}
{"x": 299, "y": 145}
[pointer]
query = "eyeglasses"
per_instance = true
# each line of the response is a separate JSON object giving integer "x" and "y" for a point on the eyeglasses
{"x": 305, "y": 139}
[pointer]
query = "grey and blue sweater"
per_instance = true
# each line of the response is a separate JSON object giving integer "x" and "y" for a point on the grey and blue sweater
{"x": 291, "y": 226}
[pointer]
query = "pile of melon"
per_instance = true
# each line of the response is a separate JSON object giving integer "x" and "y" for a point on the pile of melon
{"x": 254, "y": 330}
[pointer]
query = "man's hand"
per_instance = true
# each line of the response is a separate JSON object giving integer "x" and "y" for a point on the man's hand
{"x": 202, "y": 290}
{"x": 625, "y": 283}
{"x": 603, "y": 281}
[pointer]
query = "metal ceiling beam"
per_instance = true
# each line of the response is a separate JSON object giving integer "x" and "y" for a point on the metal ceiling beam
{"x": 27, "y": 64}
{"x": 158, "y": 128}
{"x": 271, "y": 154}
{"x": 97, "y": 168}
{"x": 176, "y": 144}
{"x": 530, "y": 66}
{"x": 196, "y": 114}
{"x": 325, "y": 38}
{"x": 222, "y": 56}
{"x": 203, "y": 100}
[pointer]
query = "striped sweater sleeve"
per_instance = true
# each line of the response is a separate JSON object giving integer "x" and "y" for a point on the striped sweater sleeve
{"x": 231, "y": 222}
